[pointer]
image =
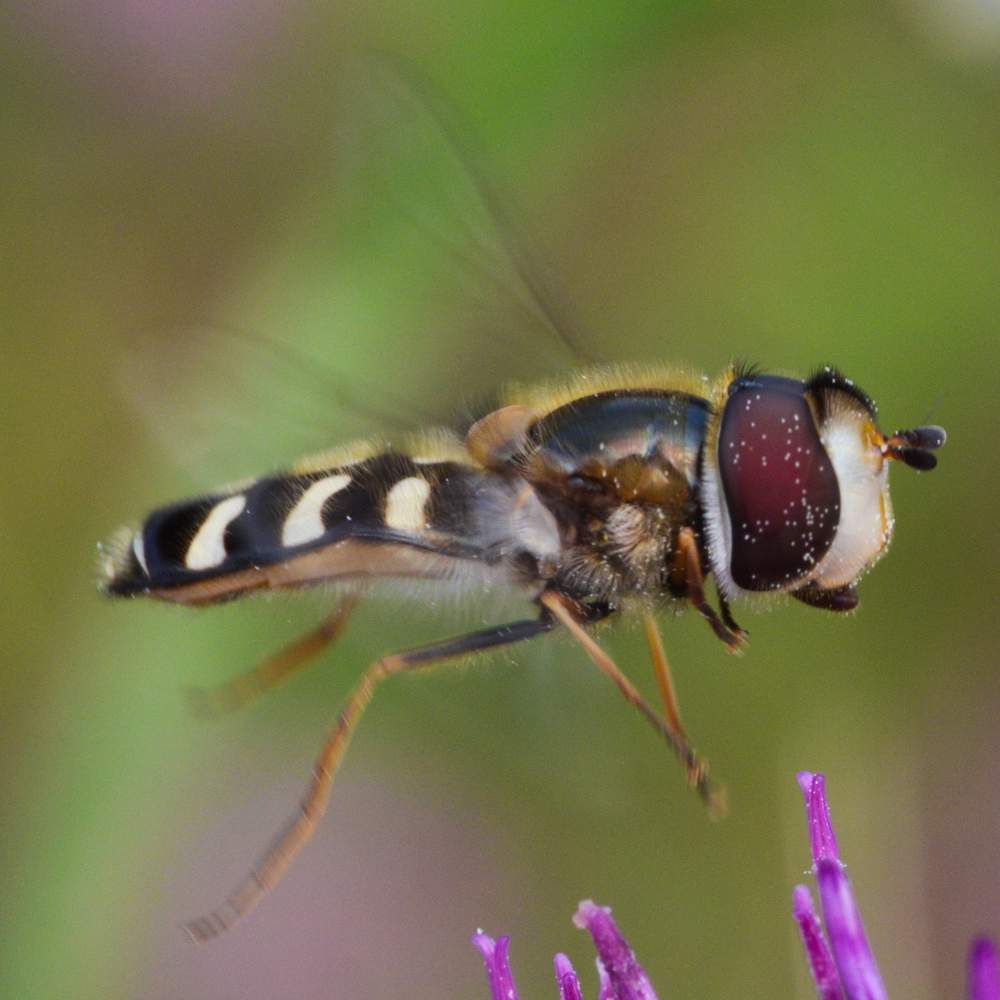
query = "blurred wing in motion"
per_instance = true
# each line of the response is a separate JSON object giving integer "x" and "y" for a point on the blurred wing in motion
{"x": 480, "y": 272}
{"x": 394, "y": 294}
{"x": 225, "y": 402}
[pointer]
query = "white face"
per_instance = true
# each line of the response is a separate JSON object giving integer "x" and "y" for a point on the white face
{"x": 854, "y": 446}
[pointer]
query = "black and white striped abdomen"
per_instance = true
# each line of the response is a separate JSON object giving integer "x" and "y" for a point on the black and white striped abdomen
{"x": 449, "y": 509}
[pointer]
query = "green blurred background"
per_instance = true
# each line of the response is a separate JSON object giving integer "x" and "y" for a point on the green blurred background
{"x": 791, "y": 183}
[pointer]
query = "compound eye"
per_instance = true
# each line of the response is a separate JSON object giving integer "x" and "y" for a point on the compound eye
{"x": 780, "y": 487}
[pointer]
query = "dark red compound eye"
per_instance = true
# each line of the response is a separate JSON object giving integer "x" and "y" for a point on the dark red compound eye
{"x": 780, "y": 487}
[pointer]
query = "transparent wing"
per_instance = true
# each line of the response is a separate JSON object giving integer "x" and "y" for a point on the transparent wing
{"x": 226, "y": 402}
{"x": 394, "y": 293}
{"x": 421, "y": 162}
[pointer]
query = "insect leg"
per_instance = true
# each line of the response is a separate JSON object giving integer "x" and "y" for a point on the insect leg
{"x": 697, "y": 769}
{"x": 241, "y": 690}
{"x": 735, "y": 639}
{"x": 664, "y": 678}
{"x": 728, "y": 619}
{"x": 300, "y": 827}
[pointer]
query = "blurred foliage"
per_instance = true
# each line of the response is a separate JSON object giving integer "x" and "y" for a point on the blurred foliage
{"x": 785, "y": 182}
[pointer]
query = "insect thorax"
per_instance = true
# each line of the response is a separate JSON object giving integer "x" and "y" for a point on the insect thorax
{"x": 619, "y": 472}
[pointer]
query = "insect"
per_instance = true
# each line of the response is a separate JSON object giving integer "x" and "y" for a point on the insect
{"x": 620, "y": 488}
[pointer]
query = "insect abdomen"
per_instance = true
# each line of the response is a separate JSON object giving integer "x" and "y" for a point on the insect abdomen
{"x": 189, "y": 550}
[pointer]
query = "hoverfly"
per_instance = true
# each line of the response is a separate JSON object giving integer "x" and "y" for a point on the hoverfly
{"x": 617, "y": 489}
{"x": 621, "y": 487}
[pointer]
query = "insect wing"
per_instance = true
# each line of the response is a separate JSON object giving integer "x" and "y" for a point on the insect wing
{"x": 395, "y": 265}
{"x": 477, "y": 299}
{"x": 223, "y": 401}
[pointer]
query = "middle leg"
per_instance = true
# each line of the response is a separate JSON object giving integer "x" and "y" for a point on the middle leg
{"x": 661, "y": 667}
{"x": 562, "y": 608}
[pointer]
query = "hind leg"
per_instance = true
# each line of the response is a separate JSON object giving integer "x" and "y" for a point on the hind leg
{"x": 301, "y": 826}
{"x": 243, "y": 689}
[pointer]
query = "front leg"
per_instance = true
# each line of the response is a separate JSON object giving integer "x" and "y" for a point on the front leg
{"x": 725, "y": 628}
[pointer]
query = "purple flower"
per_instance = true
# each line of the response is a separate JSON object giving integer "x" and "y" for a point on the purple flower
{"x": 820, "y": 960}
{"x": 616, "y": 961}
{"x": 845, "y": 969}
{"x": 839, "y": 956}
{"x": 498, "y": 973}
{"x": 621, "y": 976}
{"x": 855, "y": 974}
{"x": 984, "y": 970}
